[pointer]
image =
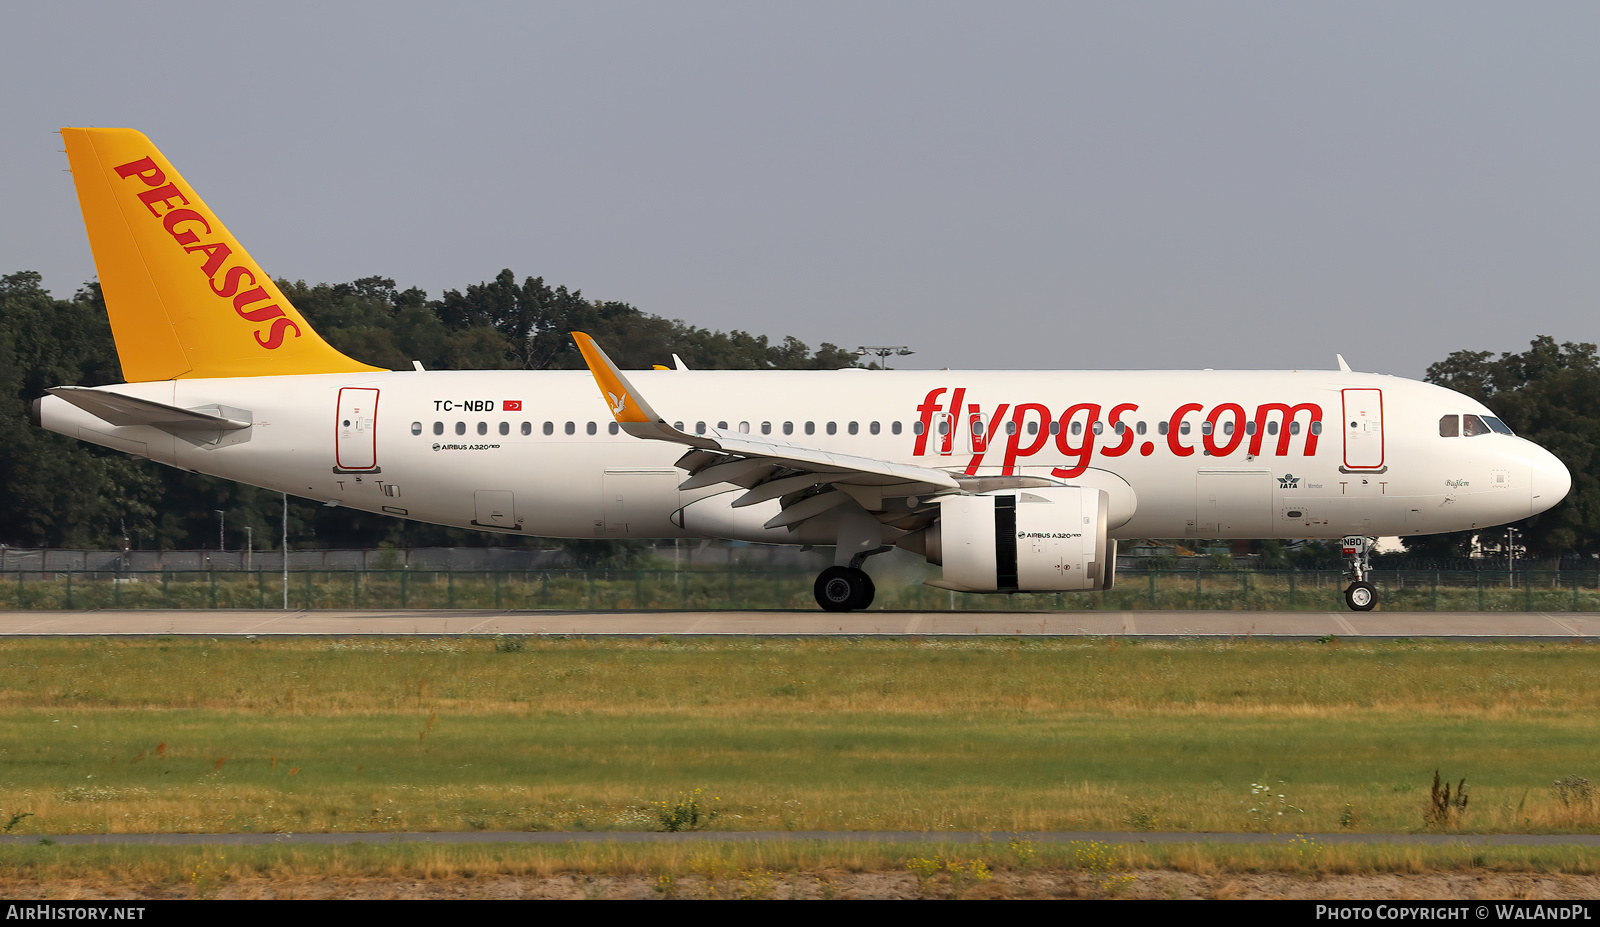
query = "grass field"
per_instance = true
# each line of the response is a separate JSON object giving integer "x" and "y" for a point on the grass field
{"x": 1001, "y": 736}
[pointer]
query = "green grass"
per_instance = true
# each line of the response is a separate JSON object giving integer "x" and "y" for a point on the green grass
{"x": 996, "y": 735}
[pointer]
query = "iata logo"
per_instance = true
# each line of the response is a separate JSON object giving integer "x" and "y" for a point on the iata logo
{"x": 1288, "y": 481}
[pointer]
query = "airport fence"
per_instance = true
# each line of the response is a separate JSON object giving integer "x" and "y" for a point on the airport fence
{"x": 1400, "y": 590}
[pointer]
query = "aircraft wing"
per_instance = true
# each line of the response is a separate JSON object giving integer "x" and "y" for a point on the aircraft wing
{"x": 806, "y": 481}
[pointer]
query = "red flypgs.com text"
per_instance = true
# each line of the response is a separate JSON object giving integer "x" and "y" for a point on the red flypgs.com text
{"x": 165, "y": 201}
{"x": 1226, "y": 428}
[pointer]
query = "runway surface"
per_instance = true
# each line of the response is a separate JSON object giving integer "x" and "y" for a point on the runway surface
{"x": 1564, "y": 626}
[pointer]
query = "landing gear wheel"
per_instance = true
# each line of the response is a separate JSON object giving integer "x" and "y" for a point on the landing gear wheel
{"x": 843, "y": 589}
{"x": 868, "y": 591}
{"x": 1361, "y": 597}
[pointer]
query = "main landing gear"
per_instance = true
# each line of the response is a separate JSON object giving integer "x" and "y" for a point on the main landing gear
{"x": 1360, "y": 595}
{"x": 844, "y": 589}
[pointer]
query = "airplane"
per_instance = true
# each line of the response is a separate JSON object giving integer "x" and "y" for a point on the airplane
{"x": 1011, "y": 481}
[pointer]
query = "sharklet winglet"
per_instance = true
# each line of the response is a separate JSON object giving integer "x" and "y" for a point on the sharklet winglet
{"x": 630, "y": 409}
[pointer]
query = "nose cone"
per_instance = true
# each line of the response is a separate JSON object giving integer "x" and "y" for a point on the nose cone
{"x": 1549, "y": 481}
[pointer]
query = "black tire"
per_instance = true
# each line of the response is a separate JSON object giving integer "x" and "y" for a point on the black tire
{"x": 1361, "y": 597}
{"x": 868, "y": 591}
{"x": 841, "y": 589}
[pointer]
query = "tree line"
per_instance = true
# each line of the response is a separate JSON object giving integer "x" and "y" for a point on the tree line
{"x": 57, "y": 492}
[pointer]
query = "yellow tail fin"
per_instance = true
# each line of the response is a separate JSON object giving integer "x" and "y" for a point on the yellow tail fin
{"x": 185, "y": 299}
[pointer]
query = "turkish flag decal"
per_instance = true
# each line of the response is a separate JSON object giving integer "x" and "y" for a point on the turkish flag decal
{"x": 512, "y": 405}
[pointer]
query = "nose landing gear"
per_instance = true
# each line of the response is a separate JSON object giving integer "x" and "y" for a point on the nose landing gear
{"x": 1360, "y": 595}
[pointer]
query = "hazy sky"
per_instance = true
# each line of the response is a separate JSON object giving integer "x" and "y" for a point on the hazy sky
{"x": 1120, "y": 184}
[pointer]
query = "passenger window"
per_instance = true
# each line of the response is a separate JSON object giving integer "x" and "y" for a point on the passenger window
{"x": 832, "y": 428}
{"x": 573, "y": 429}
{"x": 1033, "y": 428}
{"x": 613, "y": 428}
{"x": 944, "y": 426}
{"x": 1183, "y": 429}
{"x": 1205, "y": 428}
{"x": 592, "y": 428}
{"x": 438, "y": 428}
{"x": 744, "y": 428}
{"x": 917, "y": 428}
{"x": 461, "y": 428}
{"x": 873, "y": 428}
{"x": 1272, "y": 428}
{"x": 1316, "y": 428}
{"x": 549, "y": 428}
{"x": 1249, "y": 428}
{"x": 483, "y": 428}
{"x": 766, "y": 428}
{"x": 677, "y": 425}
{"x": 722, "y": 426}
{"x": 1077, "y": 428}
{"x": 1450, "y": 426}
{"x": 1055, "y": 428}
{"x": 505, "y": 428}
{"x": 699, "y": 428}
{"x": 1139, "y": 428}
{"x": 894, "y": 427}
{"x": 1294, "y": 428}
{"x": 1121, "y": 428}
{"x": 811, "y": 428}
{"x": 977, "y": 426}
{"x": 788, "y": 428}
{"x": 416, "y": 428}
{"x": 854, "y": 428}
{"x": 1099, "y": 427}
{"x": 1161, "y": 428}
{"x": 527, "y": 428}
{"x": 1227, "y": 428}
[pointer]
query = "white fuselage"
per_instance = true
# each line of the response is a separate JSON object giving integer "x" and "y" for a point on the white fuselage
{"x": 1209, "y": 454}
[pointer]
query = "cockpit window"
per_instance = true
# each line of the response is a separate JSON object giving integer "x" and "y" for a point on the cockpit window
{"x": 1474, "y": 426}
{"x": 1450, "y": 426}
{"x": 1498, "y": 426}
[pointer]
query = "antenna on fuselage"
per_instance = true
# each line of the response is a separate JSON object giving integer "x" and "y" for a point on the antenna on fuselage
{"x": 1343, "y": 367}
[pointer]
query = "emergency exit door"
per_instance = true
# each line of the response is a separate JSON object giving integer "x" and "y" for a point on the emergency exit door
{"x": 1363, "y": 429}
{"x": 356, "y": 441}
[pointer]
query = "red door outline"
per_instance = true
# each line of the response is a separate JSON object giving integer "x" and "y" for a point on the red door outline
{"x": 1363, "y": 421}
{"x": 355, "y": 445}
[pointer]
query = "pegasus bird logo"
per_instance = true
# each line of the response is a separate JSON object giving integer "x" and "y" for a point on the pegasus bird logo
{"x": 616, "y": 403}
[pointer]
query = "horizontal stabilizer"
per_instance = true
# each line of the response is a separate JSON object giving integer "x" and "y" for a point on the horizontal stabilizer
{"x": 118, "y": 409}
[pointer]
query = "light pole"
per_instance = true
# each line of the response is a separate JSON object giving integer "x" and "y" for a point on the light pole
{"x": 220, "y": 522}
{"x": 883, "y": 351}
{"x": 1511, "y": 555}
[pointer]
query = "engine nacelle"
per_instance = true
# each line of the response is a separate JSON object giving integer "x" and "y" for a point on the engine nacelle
{"x": 1024, "y": 540}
